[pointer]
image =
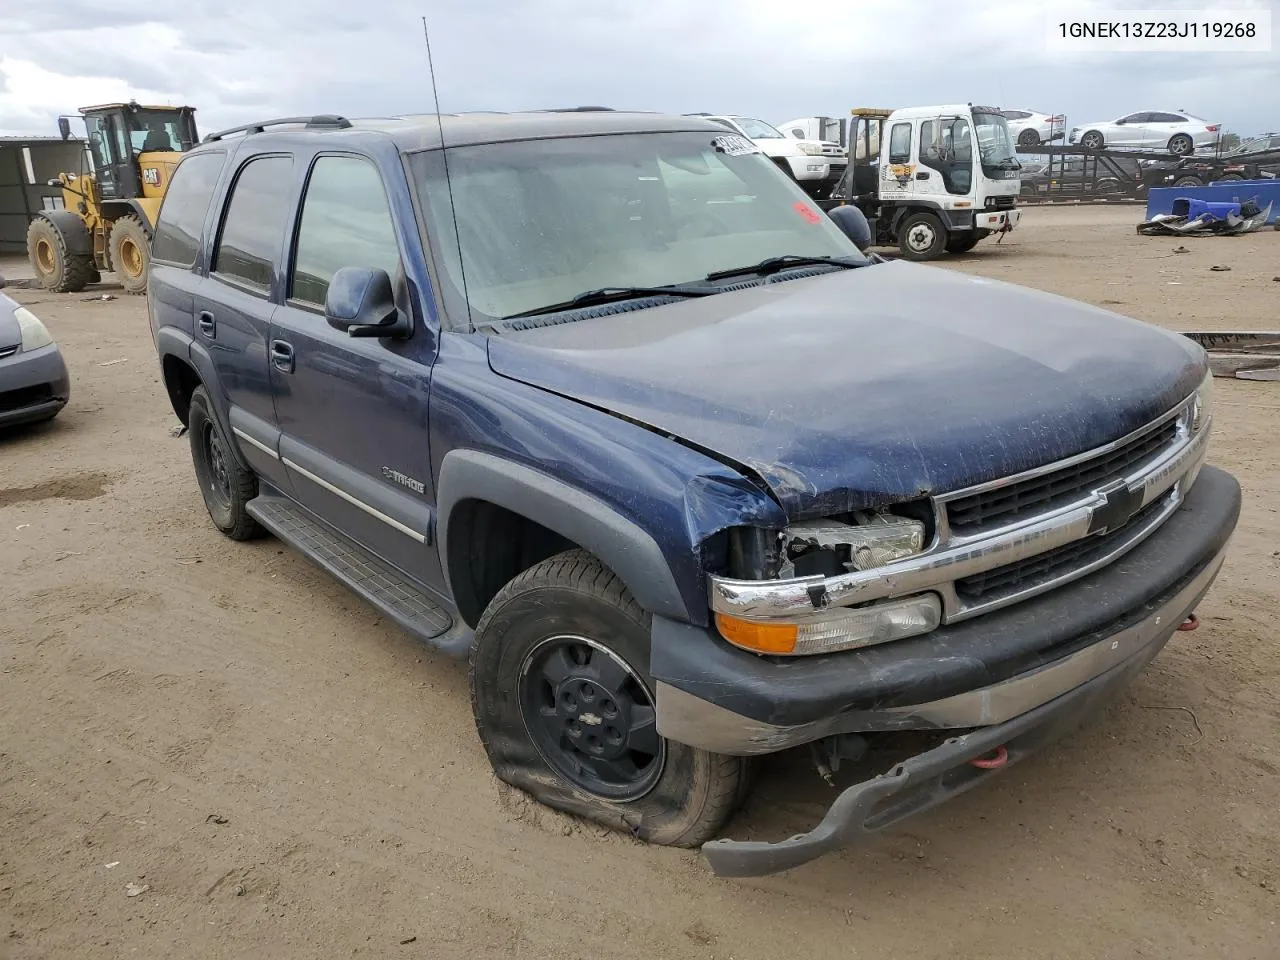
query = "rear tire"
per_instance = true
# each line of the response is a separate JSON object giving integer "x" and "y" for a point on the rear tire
{"x": 1230, "y": 178}
{"x": 55, "y": 268}
{"x": 564, "y": 705}
{"x": 225, "y": 486}
{"x": 1181, "y": 145}
{"x": 130, "y": 253}
{"x": 922, "y": 236}
{"x": 1028, "y": 138}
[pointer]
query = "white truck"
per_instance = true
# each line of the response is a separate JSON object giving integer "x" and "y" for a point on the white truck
{"x": 931, "y": 180}
{"x": 816, "y": 165}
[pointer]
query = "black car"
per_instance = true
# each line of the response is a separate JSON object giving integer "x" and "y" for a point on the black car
{"x": 1255, "y": 159}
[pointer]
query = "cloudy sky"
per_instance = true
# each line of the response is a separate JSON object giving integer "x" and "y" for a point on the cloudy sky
{"x": 237, "y": 61}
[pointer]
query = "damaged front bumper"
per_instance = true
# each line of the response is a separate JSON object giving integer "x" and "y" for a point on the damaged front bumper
{"x": 1023, "y": 676}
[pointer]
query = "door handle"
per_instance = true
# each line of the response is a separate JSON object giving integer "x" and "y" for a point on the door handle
{"x": 282, "y": 356}
{"x": 922, "y": 175}
{"x": 207, "y": 326}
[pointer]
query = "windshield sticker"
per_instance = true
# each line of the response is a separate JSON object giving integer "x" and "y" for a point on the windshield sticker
{"x": 734, "y": 146}
{"x": 807, "y": 212}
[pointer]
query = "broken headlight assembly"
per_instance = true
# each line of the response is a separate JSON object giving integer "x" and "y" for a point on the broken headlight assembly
{"x": 828, "y": 548}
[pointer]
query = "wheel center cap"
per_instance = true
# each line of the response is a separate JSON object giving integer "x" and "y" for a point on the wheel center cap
{"x": 595, "y": 719}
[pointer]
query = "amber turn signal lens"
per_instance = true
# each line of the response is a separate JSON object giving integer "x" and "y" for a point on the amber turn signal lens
{"x": 761, "y": 637}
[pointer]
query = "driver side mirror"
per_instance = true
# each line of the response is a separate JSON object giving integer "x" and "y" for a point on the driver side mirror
{"x": 1121, "y": 122}
{"x": 361, "y": 301}
{"x": 64, "y": 128}
{"x": 853, "y": 224}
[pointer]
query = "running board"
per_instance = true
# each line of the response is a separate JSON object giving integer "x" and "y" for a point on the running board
{"x": 381, "y": 585}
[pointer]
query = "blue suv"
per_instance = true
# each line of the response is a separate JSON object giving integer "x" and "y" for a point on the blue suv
{"x": 602, "y": 402}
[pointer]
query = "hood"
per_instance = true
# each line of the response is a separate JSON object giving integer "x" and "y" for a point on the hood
{"x": 868, "y": 386}
{"x": 10, "y": 333}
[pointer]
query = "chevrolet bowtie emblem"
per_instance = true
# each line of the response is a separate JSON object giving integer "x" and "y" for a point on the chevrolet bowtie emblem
{"x": 1119, "y": 503}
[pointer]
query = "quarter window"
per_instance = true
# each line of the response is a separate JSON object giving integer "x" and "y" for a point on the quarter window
{"x": 346, "y": 222}
{"x": 253, "y": 228}
{"x": 185, "y": 204}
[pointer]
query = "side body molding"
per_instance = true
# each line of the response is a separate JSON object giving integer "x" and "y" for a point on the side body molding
{"x": 620, "y": 544}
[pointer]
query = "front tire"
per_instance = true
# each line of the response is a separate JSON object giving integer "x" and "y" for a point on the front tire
{"x": 922, "y": 236}
{"x": 225, "y": 486}
{"x": 962, "y": 244}
{"x": 564, "y": 705}
{"x": 1092, "y": 140}
{"x": 130, "y": 253}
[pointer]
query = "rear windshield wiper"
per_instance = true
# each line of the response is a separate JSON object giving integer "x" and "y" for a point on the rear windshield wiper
{"x": 590, "y": 298}
{"x": 774, "y": 264}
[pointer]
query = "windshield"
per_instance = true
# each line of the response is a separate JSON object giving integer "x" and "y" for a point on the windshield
{"x": 994, "y": 142}
{"x": 158, "y": 130}
{"x": 758, "y": 129}
{"x": 542, "y": 221}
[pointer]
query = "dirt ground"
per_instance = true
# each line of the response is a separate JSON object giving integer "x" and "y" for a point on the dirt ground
{"x": 284, "y": 775}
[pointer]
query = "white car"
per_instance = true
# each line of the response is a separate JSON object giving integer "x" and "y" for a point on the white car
{"x": 817, "y": 165}
{"x": 1179, "y": 133}
{"x": 1030, "y": 129}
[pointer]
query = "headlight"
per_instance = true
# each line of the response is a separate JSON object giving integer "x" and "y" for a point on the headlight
{"x": 34, "y": 333}
{"x": 812, "y": 149}
{"x": 1202, "y": 405}
{"x": 832, "y": 630}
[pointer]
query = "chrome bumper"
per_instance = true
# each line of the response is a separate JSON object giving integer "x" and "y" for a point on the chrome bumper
{"x": 697, "y": 722}
{"x": 1163, "y": 480}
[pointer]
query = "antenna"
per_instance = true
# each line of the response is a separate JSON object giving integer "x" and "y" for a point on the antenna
{"x": 444, "y": 156}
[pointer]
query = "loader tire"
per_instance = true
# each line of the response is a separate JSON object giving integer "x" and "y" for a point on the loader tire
{"x": 55, "y": 268}
{"x": 130, "y": 253}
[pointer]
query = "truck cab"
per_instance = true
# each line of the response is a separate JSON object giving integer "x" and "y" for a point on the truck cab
{"x": 933, "y": 180}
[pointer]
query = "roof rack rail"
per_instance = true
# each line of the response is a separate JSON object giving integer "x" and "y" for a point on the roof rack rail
{"x": 577, "y": 110}
{"x": 327, "y": 121}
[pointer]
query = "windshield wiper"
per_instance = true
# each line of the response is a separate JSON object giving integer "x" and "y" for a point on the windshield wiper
{"x": 774, "y": 264}
{"x": 590, "y": 298}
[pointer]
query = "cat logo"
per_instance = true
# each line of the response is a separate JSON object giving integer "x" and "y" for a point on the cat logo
{"x": 151, "y": 175}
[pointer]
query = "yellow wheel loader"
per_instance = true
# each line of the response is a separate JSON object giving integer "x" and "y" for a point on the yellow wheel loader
{"x": 108, "y": 215}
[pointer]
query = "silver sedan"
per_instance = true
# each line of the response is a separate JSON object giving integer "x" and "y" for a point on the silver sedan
{"x": 34, "y": 384}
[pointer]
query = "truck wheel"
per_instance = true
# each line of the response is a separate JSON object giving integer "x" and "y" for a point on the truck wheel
{"x": 1230, "y": 178}
{"x": 130, "y": 253}
{"x": 922, "y": 236}
{"x": 1092, "y": 140}
{"x": 1187, "y": 182}
{"x": 564, "y": 705}
{"x": 225, "y": 485}
{"x": 54, "y": 267}
{"x": 962, "y": 244}
{"x": 1181, "y": 144}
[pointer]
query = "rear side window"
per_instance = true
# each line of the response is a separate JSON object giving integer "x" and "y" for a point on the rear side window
{"x": 346, "y": 222}
{"x": 1167, "y": 118}
{"x": 253, "y": 228}
{"x": 186, "y": 203}
{"x": 900, "y": 143}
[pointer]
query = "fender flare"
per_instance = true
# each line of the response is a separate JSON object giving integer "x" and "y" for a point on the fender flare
{"x": 74, "y": 233}
{"x": 134, "y": 207}
{"x": 581, "y": 518}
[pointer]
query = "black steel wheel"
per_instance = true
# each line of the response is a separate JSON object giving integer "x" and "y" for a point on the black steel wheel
{"x": 591, "y": 717}
{"x": 225, "y": 485}
{"x": 565, "y": 708}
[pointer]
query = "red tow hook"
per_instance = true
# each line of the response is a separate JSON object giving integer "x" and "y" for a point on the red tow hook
{"x": 998, "y": 758}
{"x": 1190, "y": 623}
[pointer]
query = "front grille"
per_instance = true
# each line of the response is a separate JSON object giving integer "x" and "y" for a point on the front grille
{"x": 26, "y": 397}
{"x": 1000, "y": 203}
{"x": 1002, "y": 581}
{"x": 1044, "y": 492}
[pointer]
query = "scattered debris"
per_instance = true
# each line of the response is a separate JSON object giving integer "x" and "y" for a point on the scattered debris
{"x": 1181, "y": 250}
{"x": 113, "y": 863}
{"x": 217, "y": 818}
{"x": 1244, "y": 354}
{"x": 239, "y": 890}
{"x": 407, "y": 940}
{"x": 112, "y": 363}
{"x": 105, "y": 296}
{"x": 189, "y": 560}
{"x": 132, "y": 889}
{"x": 1219, "y": 268}
{"x": 1205, "y": 218}
{"x": 178, "y": 431}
